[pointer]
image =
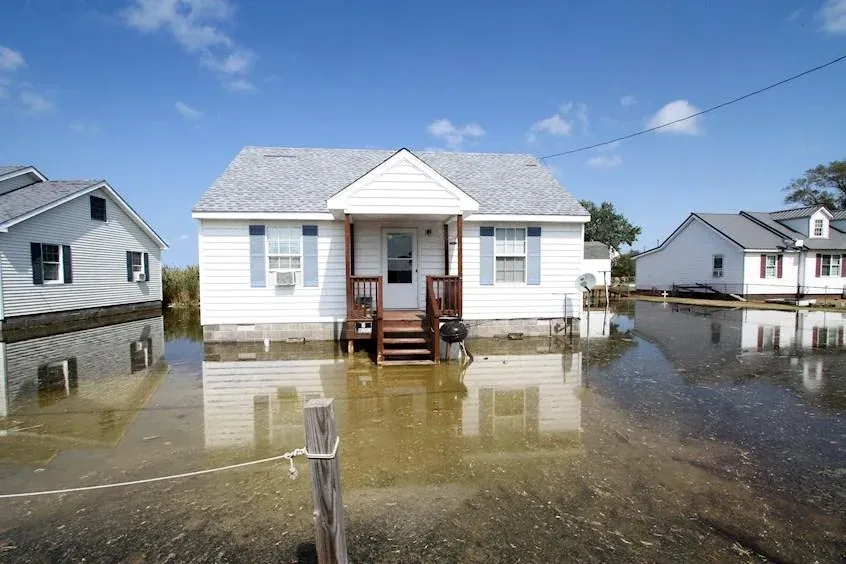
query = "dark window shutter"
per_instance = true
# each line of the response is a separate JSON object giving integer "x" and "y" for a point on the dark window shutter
{"x": 818, "y": 270}
{"x": 815, "y": 336}
{"x": 37, "y": 268}
{"x": 779, "y": 266}
{"x": 147, "y": 265}
{"x": 760, "y": 338}
{"x": 763, "y": 266}
{"x": 258, "y": 263}
{"x": 842, "y": 271}
{"x": 67, "y": 265}
{"x": 533, "y": 256}
{"x": 486, "y": 258}
{"x": 310, "y": 255}
{"x": 129, "y": 266}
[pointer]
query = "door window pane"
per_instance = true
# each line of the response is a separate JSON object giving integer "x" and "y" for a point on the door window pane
{"x": 400, "y": 258}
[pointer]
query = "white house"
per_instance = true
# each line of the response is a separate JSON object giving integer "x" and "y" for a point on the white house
{"x": 784, "y": 253}
{"x": 383, "y": 245}
{"x": 71, "y": 249}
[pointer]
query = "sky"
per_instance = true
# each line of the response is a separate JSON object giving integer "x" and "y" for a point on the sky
{"x": 157, "y": 96}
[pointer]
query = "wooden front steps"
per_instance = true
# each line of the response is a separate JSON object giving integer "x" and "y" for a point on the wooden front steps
{"x": 404, "y": 338}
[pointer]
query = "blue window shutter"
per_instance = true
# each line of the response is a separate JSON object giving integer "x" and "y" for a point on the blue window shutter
{"x": 129, "y": 266}
{"x": 147, "y": 265}
{"x": 310, "y": 256}
{"x": 533, "y": 256}
{"x": 258, "y": 263}
{"x": 486, "y": 252}
{"x": 67, "y": 265}
{"x": 37, "y": 267}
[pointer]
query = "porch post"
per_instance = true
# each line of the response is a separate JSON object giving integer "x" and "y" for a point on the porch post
{"x": 446, "y": 249}
{"x": 459, "y": 225}
{"x": 348, "y": 271}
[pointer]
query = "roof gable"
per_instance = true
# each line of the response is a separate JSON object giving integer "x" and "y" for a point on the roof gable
{"x": 409, "y": 181}
{"x": 34, "y": 199}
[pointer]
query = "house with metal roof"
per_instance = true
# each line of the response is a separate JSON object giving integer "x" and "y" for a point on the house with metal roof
{"x": 789, "y": 253}
{"x": 385, "y": 246}
{"x": 71, "y": 250}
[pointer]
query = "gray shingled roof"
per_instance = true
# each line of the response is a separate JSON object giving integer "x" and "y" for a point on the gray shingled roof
{"x": 596, "y": 250}
{"x": 742, "y": 230}
{"x": 30, "y": 198}
{"x": 6, "y": 169}
{"x": 835, "y": 240}
{"x": 278, "y": 179}
{"x": 794, "y": 213}
{"x": 839, "y": 214}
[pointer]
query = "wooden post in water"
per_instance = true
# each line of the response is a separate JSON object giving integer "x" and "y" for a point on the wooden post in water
{"x": 329, "y": 529}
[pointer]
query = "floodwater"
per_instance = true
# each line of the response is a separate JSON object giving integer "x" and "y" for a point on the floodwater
{"x": 670, "y": 434}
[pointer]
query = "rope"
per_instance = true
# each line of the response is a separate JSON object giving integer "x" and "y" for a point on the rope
{"x": 289, "y": 456}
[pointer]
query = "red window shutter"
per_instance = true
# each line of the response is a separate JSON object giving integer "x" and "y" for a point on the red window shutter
{"x": 818, "y": 271}
{"x": 763, "y": 266}
{"x": 779, "y": 266}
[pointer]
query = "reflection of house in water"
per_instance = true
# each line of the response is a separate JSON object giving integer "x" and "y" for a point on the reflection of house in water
{"x": 503, "y": 400}
{"x": 596, "y": 323}
{"x": 82, "y": 386}
{"x": 698, "y": 339}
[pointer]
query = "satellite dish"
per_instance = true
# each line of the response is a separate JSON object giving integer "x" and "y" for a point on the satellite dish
{"x": 586, "y": 282}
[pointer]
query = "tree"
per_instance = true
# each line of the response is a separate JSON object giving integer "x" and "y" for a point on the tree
{"x": 607, "y": 226}
{"x": 823, "y": 185}
{"x": 623, "y": 266}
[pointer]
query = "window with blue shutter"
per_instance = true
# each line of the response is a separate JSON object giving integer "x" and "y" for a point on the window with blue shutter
{"x": 486, "y": 256}
{"x": 533, "y": 256}
{"x": 310, "y": 256}
{"x": 258, "y": 264}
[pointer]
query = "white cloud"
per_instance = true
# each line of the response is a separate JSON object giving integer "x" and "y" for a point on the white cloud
{"x": 195, "y": 24}
{"x": 794, "y": 15}
{"x": 627, "y": 101}
{"x": 35, "y": 103}
{"x": 674, "y": 111}
{"x": 184, "y": 237}
{"x": 240, "y": 85}
{"x": 454, "y": 135}
{"x": 10, "y": 59}
{"x": 82, "y": 127}
{"x": 609, "y": 147}
{"x": 187, "y": 111}
{"x": 560, "y": 124}
{"x": 605, "y": 161}
{"x": 833, "y": 15}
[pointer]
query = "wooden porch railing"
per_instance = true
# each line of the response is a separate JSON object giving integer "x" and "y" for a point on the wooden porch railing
{"x": 443, "y": 299}
{"x": 364, "y": 303}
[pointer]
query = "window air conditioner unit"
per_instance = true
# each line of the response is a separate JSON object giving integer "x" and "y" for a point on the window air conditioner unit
{"x": 139, "y": 277}
{"x": 138, "y": 346}
{"x": 286, "y": 278}
{"x": 718, "y": 273}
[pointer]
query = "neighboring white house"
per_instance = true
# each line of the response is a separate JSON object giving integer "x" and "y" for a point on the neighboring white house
{"x": 598, "y": 261}
{"x": 71, "y": 246}
{"x": 291, "y": 242}
{"x": 783, "y": 253}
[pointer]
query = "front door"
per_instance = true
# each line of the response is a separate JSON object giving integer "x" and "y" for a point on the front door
{"x": 399, "y": 268}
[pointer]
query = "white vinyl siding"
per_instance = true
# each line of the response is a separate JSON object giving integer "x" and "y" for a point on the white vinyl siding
{"x": 688, "y": 258}
{"x": 225, "y": 292}
{"x": 561, "y": 251}
{"x": 99, "y": 260}
{"x": 227, "y": 298}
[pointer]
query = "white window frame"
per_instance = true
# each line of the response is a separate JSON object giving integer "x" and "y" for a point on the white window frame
{"x": 61, "y": 274}
{"x": 524, "y": 255}
{"x": 717, "y": 272}
{"x": 296, "y": 233}
{"x": 774, "y": 266}
{"x": 821, "y": 224}
{"x": 141, "y": 260}
{"x": 832, "y": 265}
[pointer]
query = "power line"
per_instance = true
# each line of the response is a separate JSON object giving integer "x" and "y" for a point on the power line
{"x": 697, "y": 114}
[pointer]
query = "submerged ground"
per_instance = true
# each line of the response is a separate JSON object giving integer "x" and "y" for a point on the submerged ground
{"x": 671, "y": 434}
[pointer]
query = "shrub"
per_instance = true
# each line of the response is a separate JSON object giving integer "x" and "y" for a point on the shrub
{"x": 181, "y": 285}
